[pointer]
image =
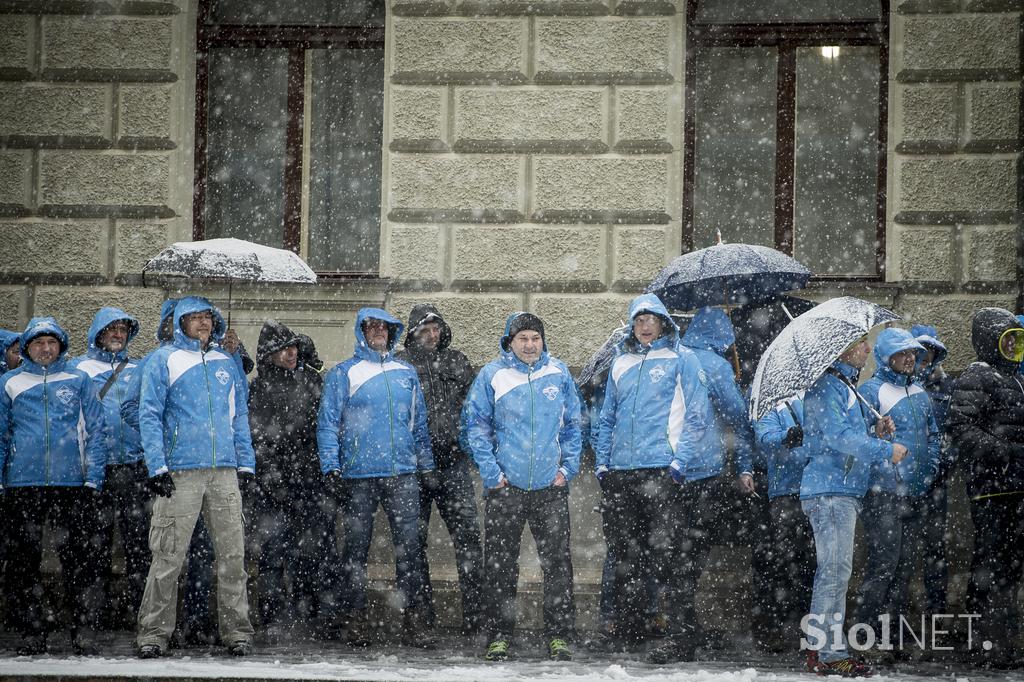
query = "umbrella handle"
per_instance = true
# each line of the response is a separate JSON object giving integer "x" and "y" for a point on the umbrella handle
{"x": 230, "y": 284}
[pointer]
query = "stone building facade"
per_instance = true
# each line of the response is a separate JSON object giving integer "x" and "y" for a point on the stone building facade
{"x": 533, "y": 156}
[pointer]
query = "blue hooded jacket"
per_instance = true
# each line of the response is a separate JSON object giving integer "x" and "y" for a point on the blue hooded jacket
{"x": 900, "y": 397}
{"x": 521, "y": 422}
{"x": 192, "y": 413}
{"x": 7, "y": 339}
{"x": 133, "y": 391}
{"x": 709, "y": 336}
{"x": 785, "y": 466}
{"x": 839, "y": 438}
{"x": 51, "y": 424}
{"x": 122, "y": 440}
{"x": 373, "y": 418}
{"x": 656, "y": 407}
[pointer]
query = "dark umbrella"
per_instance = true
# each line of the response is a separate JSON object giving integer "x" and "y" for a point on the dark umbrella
{"x": 756, "y": 326}
{"x": 232, "y": 260}
{"x": 592, "y": 375}
{"x": 808, "y": 346}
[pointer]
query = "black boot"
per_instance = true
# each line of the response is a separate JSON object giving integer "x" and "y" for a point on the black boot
{"x": 83, "y": 642}
{"x": 675, "y": 650}
{"x": 32, "y": 645}
{"x": 416, "y": 631}
{"x": 358, "y": 632}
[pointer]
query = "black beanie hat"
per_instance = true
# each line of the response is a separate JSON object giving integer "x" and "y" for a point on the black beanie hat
{"x": 523, "y": 322}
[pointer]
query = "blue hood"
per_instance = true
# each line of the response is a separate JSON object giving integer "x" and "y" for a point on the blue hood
{"x": 710, "y": 330}
{"x": 649, "y": 303}
{"x": 196, "y": 304}
{"x": 7, "y": 339}
{"x": 103, "y": 319}
{"x": 395, "y": 328}
{"x": 928, "y": 336}
{"x": 166, "y": 310}
{"x": 891, "y": 341}
{"x": 39, "y": 326}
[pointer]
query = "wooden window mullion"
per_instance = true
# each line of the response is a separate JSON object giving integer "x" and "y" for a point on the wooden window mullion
{"x": 785, "y": 148}
{"x": 293, "y": 150}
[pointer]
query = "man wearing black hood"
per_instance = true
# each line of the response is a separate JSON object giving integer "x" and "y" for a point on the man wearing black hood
{"x": 445, "y": 376}
{"x": 986, "y": 422}
{"x": 292, "y": 515}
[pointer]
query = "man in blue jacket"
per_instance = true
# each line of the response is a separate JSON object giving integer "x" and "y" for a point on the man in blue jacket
{"x": 894, "y": 513}
{"x": 52, "y": 459}
{"x": 655, "y": 409}
{"x": 521, "y": 421}
{"x": 373, "y": 440}
{"x": 843, "y": 443}
{"x": 780, "y": 438}
{"x": 195, "y": 432}
{"x": 125, "y": 493}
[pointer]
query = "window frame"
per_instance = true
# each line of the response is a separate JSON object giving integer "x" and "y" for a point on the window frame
{"x": 296, "y": 39}
{"x": 787, "y": 37}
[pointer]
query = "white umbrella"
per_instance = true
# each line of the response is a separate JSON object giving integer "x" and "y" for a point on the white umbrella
{"x": 808, "y": 346}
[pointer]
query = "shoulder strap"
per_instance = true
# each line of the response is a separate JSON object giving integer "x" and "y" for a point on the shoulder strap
{"x": 796, "y": 420}
{"x": 111, "y": 379}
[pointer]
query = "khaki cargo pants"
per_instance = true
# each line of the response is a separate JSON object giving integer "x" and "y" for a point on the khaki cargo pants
{"x": 214, "y": 492}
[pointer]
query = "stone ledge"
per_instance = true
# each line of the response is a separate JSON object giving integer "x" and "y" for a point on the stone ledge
{"x": 928, "y": 7}
{"x": 644, "y": 147}
{"x": 412, "y": 144}
{"x": 416, "y": 8}
{"x": 953, "y": 217}
{"x": 145, "y": 143}
{"x": 12, "y": 73}
{"x": 89, "y": 7}
{"x": 104, "y": 211}
{"x": 14, "y": 211}
{"x": 530, "y": 147}
{"x": 923, "y": 147}
{"x": 603, "y": 78}
{"x": 109, "y": 75}
{"x": 994, "y": 6}
{"x": 73, "y": 142}
{"x": 446, "y": 215}
{"x": 605, "y": 217}
{"x": 644, "y": 8}
{"x": 955, "y": 75}
{"x": 544, "y": 8}
{"x": 458, "y": 78}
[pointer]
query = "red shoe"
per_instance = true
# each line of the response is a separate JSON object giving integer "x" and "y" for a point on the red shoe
{"x": 812, "y": 661}
{"x": 845, "y": 667}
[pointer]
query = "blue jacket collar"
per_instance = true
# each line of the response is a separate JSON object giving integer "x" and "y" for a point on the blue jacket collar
{"x": 890, "y": 376}
{"x": 848, "y": 371}
{"x": 32, "y": 368}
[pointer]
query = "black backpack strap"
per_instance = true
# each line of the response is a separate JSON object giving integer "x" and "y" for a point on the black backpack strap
{"x": 111, "y": 379}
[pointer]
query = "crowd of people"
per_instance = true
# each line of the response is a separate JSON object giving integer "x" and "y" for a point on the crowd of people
{"x": 181, "y": 454}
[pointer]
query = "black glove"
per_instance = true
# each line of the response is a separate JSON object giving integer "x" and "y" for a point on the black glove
{"x": 335, "y": 484}
{"x": 93, "y": 495}
{"x": 794, "y": 437}
{"x": 247, "y": 485}
{"x": 162, "y": 484}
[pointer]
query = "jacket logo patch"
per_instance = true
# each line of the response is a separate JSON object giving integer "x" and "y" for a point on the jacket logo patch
{"x": 223, "y": 376}
{"x": 65, "y": 394}
{"x": 404, "y": 382}
{"x": 702, "y": 377}
{"x": 551, "y": 392}
{"x": 657, "y": 374}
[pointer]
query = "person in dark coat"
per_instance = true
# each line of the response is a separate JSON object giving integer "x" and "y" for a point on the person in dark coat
{"x": 986, "y": 423}
{"x": 445, "y": 376}
{"x": 293, "y": 518}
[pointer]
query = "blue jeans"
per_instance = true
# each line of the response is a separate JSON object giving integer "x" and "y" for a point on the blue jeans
{"x": 834, "y": 522}
{"x": 400, "y": 497}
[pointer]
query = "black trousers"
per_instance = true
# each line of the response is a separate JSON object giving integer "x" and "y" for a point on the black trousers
{"x": 639, "y": 527}
{"x": 73, "y": 514}
{"x": 451, "y": 489}
{"x": 793, "y": 564}
{"x": 695, "y": 505}
{"x": 124, "y": 502}
{"x": 508, "y": 510}
{"x": 996, "y": 569}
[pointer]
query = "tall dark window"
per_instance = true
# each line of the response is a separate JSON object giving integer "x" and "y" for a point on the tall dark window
{"x": 289, "y": 127}
{"x": 785, "y": 123}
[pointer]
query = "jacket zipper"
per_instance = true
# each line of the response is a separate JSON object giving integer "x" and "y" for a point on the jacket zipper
{"x": 632, "y": 416}
{"x": 209, "y": 404}
{"x": 46, "y": 428}
{"x": 533, "y": 428}
{"x": 120, "y": 422}
{"x": 391, "y": 415}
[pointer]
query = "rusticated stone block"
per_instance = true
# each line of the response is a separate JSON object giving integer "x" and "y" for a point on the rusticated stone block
{"x": 36, "y": 113}
{"x": 144, "y": 115}
{"x": 477, "y": 320}
{"x": 577, "y": 325}
{"x": 600, "y": 190}
{"x": 930, "y": 118}
{"x": 562, "y": 8}
{"x": 534, "y": 256}
{"x": 604, "y": 51}
{"x": 415, "y": 253}
{"x": 459, "y": 51}
{"x": 419, "y": 119}
{"x": 959, "y": 47}
{"x": 639, "y": 253}
{"x": 642, "y": 119}
{"x": 965, "y": 190}
{"x": 952, "y": 315}
{"x": 16, "y": 45}
{"x": 528, "y": 120}
{"x": 108, "y": 48}
{"x": 136, "y": 243}
{"x": 99, "y": 183}
{"x": 47, "y": 248}
{"x": 74, "y": 308}
{"x": 15, "y": 174}
{"x": 925, "y": 253}
{"x": 435, "y": 188}
{"x": 13, "y": 308}
{"x": 926, "y": 6}
{"x": 993, "y": 117}
{"x": 990, "y": 253}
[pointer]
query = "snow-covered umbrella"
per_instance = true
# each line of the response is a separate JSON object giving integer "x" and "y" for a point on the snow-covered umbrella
{"x": 590, "y": 376}
{"x": 808, "y": 346}
{"x": 231, "y": 260}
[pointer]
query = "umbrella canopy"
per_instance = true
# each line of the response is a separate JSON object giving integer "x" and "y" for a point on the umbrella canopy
{"x": 730, "y": 274}
{"x": 591, "y": 376}
{"x": 808, "y": 346}
{"x": 230, "y": 259}
{"x": 756, "y": 326}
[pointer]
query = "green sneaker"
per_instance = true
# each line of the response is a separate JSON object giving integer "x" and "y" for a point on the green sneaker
{"x": 497, "y": 650}
{"x": 559, "y": 650}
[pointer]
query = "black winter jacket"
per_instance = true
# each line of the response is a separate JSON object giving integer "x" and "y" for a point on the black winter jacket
{"x": 986, "y": 413}
{"x": 445, "y": 376}
{"x": 283, "y": 407}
